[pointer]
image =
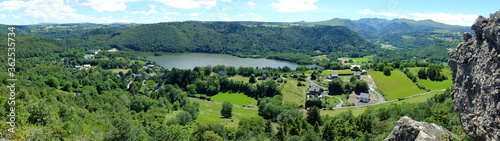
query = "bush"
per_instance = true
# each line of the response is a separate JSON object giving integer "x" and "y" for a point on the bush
{"x": 387, "y": 71}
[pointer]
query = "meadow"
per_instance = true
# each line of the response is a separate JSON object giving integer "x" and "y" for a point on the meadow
{"x": 395, "y": 86}
{"x": 293, "y": 93}
{"x": 210, "y": 113}
{"x": 434, "y": 85}
{"x": 239, "y": 99}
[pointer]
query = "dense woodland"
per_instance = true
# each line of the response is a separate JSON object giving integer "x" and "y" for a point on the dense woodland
{"x": 56, "y": 102}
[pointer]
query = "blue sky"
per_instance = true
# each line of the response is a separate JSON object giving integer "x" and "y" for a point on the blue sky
{"x": 456, "y": 12}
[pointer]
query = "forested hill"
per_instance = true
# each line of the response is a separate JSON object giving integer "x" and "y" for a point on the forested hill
{"x": 228, "y": 38}
{"x": 401, "y": 33}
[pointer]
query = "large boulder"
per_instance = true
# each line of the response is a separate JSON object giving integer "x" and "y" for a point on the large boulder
{"x": 407, "y": 129}
{"x": 475, "y": 66}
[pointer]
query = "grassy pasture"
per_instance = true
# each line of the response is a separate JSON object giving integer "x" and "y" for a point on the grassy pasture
{"x": 239, "y": 99}
{"x": 396, "y": 86}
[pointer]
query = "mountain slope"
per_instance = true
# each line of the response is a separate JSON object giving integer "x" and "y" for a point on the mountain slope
{"x": 232, "y": 38}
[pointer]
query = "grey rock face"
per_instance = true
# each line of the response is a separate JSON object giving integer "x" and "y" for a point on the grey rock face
{"x": 475, "y": 66}
{"x": 407, "y": 129}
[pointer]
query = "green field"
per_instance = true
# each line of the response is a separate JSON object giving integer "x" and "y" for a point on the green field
{"x": 395, "y": 86}
{"x": 340, "y": 72}
{"x": 292, "y": 93}
{"x": 331, "y": 101}
{"x": 434, "y": 85}
{"x": 239, "y": 99}
{"x": 359, "y": 110}
{"x": 240, "y": 78}
{"x": 358, "y": 61}
{"x": 210, "y": 113}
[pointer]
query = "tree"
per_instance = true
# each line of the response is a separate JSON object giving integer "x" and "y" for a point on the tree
{"x": 361, "y": 86}
{"x": 422, "y": 73}
{"x": 227, "y": 109}
{"x": 387, "y": 71}
{"x": 314, "y": 116}
{"x": 53, "y": 82}
{"x": 286, "y": 69}
{"x": 184, "y": 118}
{"x": 252, "y": 79}
{"x": 336, "y": 86}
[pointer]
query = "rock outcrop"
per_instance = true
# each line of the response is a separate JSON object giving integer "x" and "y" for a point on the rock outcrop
{"x": 407, "y": 129}
{"x": 475, "y": 65}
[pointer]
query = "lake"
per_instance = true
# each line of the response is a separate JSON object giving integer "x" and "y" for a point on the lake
{"x": 191, "y": 60}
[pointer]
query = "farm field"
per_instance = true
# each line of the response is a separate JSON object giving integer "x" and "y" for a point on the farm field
{"x": 210, "y": 113}
{"x": 239, "y": 99}
{"x": 357, "y": 61}
{"x": 395, "y": 86}
{"x": 434, "y": 85}
{"x": 340, "y": 72}
{"x": 293, "y": 93}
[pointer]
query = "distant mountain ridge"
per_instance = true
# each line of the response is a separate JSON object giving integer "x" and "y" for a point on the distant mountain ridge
{"x": 372, "y": 28}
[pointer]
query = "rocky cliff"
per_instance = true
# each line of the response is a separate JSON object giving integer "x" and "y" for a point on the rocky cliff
{"x": 475, "y": 65}
{"x": 407, "y": 129}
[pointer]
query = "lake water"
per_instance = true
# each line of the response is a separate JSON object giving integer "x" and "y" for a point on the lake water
{"x": 191, "y": 60}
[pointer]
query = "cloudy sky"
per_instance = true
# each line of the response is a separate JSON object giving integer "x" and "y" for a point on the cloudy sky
{"x": 456, "y": 12}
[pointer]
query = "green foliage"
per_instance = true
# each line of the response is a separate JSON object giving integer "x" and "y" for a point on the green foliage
{"x": 361, "y": 86}
{"x": 387, "y": 71}
{"x": 184, "y": 118}
{"x": 336, "y": 86}
{"x": 227, "y": 109}
{"x": 252, "y": 79}
{"x": 314, "y": 116}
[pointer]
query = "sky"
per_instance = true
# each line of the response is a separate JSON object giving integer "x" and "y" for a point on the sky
{"x": 24, "y": 12}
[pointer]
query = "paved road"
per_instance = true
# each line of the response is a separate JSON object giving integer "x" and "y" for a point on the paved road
{"x": 325, "y": 91}
{"x": 381, "y": 99}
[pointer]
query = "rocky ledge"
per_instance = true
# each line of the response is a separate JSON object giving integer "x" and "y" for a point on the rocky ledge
{"x": 407, "y": 129}
{"x": 475, "y": 65}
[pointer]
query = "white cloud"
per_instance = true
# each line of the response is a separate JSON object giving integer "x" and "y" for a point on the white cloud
{"x": 12, "y": 5}
{"x": 252, "y": 14}
{"x": 150, "y": 12}
{"x": 172, "y": 13}
{"x": 152, "y": 6}
{"x": 107, "y": 5}
{"x": 189, "y": 4}
{"x": 294, "y": 5}
{"x": 225, "y": 0}
{"x": 386, "y": 14}
{"x": 454, "y": 19}
{"x": 3, "y": 16}
{"x": 240, "y": 15}
{"x": 38, "y": 11}
{"x": 250, "y": 3}
{"x": 194, "y": 14}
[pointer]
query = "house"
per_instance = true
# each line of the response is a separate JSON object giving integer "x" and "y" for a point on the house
{"x": 149, "y": 65}
{"x": 147, "y": 77}
{"x": 113, "y": 50}
{"x": 77, "y": 68}
{"x": 136, "y": 75}
{"x": 363, "y": 72}
{"x": 89, "y": 56}
{"x": 222, "y": 73}
{"x": 355, "y": 68}
{"x": 334, "y": 75}
{"x": 357, "y": 75}
{"x": 86, "y": 65}
{"x": 96, "y": 51}
{"x": 365, "y": 97}
{"x": 279, "y": 80}
{"x": 315, "y": 90}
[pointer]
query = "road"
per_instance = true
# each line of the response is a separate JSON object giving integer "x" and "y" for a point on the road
{"x": 325, "y": 91}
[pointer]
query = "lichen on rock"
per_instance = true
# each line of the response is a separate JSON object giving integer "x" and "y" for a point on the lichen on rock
{"x": 407, "y": 129}
{"x": 475, "y": 66}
